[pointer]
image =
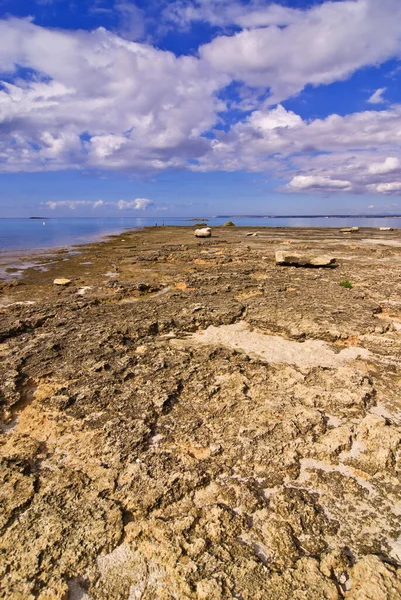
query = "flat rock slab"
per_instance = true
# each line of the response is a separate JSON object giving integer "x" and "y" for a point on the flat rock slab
{"x": 296, "y": 259}
{"x": 62, "y": 281}
{"x": 274, "y": 349}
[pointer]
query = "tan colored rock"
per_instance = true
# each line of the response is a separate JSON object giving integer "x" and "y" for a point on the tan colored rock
{"x": 62, "y": 281}
{"x": 135, "y": 467}
{"x": 373, "y": 580}
{"x": 382, "y": 442}
{"x": 297, "y": 259}
{"x": 349, "y": 229}
{"x": 208, "y": 589}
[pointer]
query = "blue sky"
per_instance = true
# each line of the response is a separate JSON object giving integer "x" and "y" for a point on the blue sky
{"x": 199, "y": 107}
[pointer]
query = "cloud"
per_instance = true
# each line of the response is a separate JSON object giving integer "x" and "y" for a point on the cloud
{"x": 224, "y": 13}
{"x": 319, "y": 45}
{"x": 114, "y": 104}
{"x": 132, "y": 21}
{"x": 73, "y": 204}
{"x": 391, "y": 165}
{"x": 377, "y": 97}
{"x": 97, "y": 101}
{"x": 361, "y": 149}
{"x": 137, "y": 204}
{"x": 317, "y": 182}
{"x": 99, "y": 203}
{"x": 389, "y": 188}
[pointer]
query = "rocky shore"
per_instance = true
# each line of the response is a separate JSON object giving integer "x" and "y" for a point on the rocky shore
{"x": 185, "y": 419}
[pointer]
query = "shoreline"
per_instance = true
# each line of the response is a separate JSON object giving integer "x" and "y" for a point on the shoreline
{"x": 186, "y": 408}
{"x": 11, "y": 258}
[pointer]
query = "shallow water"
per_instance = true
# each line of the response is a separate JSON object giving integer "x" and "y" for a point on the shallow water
{"x": 29, "y": 234}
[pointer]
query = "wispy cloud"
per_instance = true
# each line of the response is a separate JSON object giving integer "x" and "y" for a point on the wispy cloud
{"x": 377, "y": 96}
{"x": 73, "y": 204}
{"x": 137, "y": 204}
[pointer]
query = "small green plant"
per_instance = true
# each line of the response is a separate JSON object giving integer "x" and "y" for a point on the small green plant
{"x": 346, "y": 284}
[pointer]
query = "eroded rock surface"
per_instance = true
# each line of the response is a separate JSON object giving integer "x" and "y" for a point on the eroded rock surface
{"x": 296, "y": 259}
{"x": 203, "y": 424}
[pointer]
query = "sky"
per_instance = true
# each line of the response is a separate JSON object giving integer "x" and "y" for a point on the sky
{"x": 199, "y": 107}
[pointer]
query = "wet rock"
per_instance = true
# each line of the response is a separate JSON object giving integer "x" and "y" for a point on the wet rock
{"x": 296, "y": 259}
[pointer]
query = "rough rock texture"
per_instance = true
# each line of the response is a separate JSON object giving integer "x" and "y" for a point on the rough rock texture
{"x": 296, "y": 259}
{"x": 202, "y": 424}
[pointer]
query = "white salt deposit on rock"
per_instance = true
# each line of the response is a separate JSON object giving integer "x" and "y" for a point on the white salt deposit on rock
{"x": 273, "y": 348}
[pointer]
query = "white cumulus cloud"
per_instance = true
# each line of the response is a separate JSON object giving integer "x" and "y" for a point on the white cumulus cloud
{"x": 98, "y": 101}
{"x": 317, "y": 182}
{"x": 392, "y": 164}
{"x": 389, "y": 188}
{"x": 322, "y": 44}
{"x": 137, "y": 204}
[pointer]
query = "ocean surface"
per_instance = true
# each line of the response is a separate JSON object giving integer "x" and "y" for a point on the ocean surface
{"x": 33, "y": 234}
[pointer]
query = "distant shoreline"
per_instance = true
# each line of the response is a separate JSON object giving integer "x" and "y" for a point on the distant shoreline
{"x": 306, "y": 217}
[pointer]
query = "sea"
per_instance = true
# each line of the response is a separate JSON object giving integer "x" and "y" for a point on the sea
{"x": 26, "y": 234}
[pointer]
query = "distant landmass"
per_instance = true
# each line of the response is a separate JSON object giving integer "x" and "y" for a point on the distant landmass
{"x": 380, "y": 216}
{"x": 40, "y": 218}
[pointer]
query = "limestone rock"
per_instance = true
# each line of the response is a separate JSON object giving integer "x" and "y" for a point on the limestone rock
{"x": 205, "y": 232}
{"x": 208, "y": 589}
{"x": 296, "y": 259}
{"x": 371, "y": 578}
{"x": 261, "y": 459}
{"x": 385, "y": 229}
{"x": 349, "y": 229}
{"x": 62, "y": 281}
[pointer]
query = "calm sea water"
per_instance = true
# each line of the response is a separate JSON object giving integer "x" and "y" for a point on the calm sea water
{"x": 30, "y": 234}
